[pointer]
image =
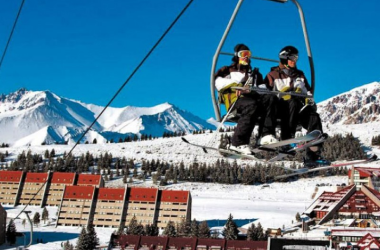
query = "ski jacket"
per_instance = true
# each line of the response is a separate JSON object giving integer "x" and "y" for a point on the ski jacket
{"x": 233, "y": 74}
{"x": 284, "y": 79}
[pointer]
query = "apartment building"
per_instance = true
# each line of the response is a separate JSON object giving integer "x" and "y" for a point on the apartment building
{"x": 3, "y": 224}
{"x": 109, "y": 207}
{"x": 77, "y": 205}
{"x": 10, "y": 186}
{"x": 33, "y": 189}
{"x": 141, "y": 203}
{"x": 173, "y": 206}
{"x": 90, "y": 180}
{"x": 57, "y": 185}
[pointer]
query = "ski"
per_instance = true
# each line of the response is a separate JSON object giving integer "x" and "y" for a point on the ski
{"x": 223, "y": 151}
{"x": 333, "y": 165}
{"x": 309, "y": 139}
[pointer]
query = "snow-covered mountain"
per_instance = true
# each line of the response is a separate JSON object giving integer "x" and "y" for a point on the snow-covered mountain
{"x": 357, "y": 106}
{"x": 34, "y": 117}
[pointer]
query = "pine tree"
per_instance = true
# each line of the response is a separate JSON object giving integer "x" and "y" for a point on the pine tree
{"x": 194, "y": 228}
{"x": 45, "y": 215}
{"x": 11, "y": 232}
{"x": 36, "y": 219}
{"x": 83, "y": 241}
{"x": 251, "y": 232}
{"x": 170, "y": 230}
{"x": 133, "y": 226}
{"x": 204, "y": 230}
{"x": 298, "y": 217}
{"x": 68, "y": 246}
{"x": 92, "y": 236}
{"x": 230, "y": 231}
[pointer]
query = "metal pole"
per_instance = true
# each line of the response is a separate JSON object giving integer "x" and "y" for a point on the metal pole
{"x": 31, "y": 228}
{"x": 215, "y": 60}
{"x": 302, "y": 17}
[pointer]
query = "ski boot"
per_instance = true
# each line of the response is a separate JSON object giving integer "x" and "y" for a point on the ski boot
{"x": 314, "y": 159}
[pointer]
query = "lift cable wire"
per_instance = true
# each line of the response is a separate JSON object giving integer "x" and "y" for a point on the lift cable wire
{"x": 125, "y": 83}
{"x": 10, "y": 36}
{"x": 134, "y": 71}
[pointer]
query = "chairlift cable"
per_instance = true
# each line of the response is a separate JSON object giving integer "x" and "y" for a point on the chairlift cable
{"x": 10, "y": 35}
{"x": 125, "y": 83}
{"x": 134, "y": 71}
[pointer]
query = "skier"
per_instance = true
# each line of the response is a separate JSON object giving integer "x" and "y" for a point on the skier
{"x": 249, "y": 105}
{"x": 295, "y": 110}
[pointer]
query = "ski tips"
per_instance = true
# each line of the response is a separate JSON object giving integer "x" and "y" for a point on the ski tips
{"x": 183, "y": 139}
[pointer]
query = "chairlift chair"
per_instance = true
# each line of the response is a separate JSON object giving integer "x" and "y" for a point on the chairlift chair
{"x": 215, "y": 101}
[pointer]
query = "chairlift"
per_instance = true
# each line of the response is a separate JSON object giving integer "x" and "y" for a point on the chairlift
{"x": 216, "y": 103}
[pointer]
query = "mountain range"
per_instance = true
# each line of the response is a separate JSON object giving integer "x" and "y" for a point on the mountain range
{"x": 36, "y": 117}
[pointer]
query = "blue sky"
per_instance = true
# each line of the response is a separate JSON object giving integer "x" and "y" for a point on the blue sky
{"x": 85, "y": 50}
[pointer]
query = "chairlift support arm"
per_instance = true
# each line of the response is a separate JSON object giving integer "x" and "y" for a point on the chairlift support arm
{"x": 218, "y": 51}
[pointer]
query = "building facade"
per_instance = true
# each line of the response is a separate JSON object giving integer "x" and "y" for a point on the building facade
{"x": 57, "y": 185}
{"x": 10, "y": 185}
{"x": 173, "y": 206}
{"x": 109, "y": 209}
{"x": 141, "y": 205}
{"x": 33, "y": 189}
{"x": 77, "y": 205}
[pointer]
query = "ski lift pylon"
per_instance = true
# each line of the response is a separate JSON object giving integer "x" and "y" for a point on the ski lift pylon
{"x": 218, "y": 52}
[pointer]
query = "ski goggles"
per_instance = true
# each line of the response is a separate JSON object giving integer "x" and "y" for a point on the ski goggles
{"x": 244, "y": 53}
{"x": 293, "y": 58}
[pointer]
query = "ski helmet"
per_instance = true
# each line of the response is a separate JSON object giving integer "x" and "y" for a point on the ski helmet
{"x": 288, "y": 53}
{"x": 239, "y": 47}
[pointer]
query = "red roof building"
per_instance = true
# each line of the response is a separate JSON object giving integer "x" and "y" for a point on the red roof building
{"x": 10, "y": 186}
{"x": 90, "y": 180}
{"x": 141, "y": 205}
{"x": 109, "y": 207}
{"x": 57, "y": 186}
{"x": 173, "y": 206}
{"x": 34, "y": 188}
{"x": 77, "y": 206}
{"x": 365, "y": 176}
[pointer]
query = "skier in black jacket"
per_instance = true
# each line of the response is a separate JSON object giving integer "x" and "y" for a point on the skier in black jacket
{"x": 249, "y": 105}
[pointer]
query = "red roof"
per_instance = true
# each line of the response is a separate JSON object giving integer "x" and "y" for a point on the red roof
{"x": 116, "y": 194}
{"x": 10, "y": 176}
{"x": 143, "y": 194}
{"x": 66, "y": 178}
{"x": 174, "y": 196}
{"x": 36, "y": 177}
{"x": 79, "y": 192}
{"x": 89, "y": 179}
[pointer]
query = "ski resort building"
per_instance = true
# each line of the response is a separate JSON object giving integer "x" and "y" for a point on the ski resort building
{"x": 109, "y": 207}
{"x": 347, "y": 202}
{"x": 90, "y": 180}
{"x": 57, "y": 185}
{"x": 10, "y": 185}
{"x": 173, "y": 206}
{"x": 141, "y": 204}
{"x": 33, "y": 189}
{"x": 77, "y": 206}
{"x": 3, "y": 224}
{"x": 360, "y": 176}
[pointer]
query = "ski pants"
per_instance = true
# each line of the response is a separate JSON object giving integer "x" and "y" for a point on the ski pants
{"x": 250, "y": 109}
{"x": 289, "y": 113}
